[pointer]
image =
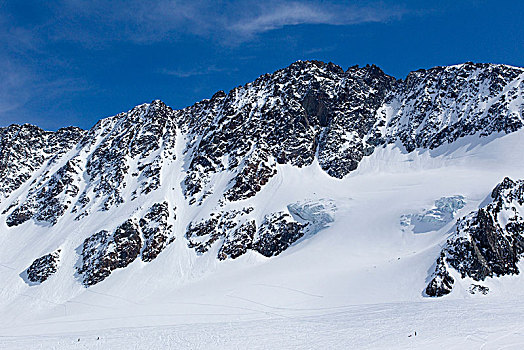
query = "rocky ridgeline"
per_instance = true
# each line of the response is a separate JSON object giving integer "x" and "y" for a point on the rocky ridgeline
{"x": 308, "y": 111}
{"x": 94, "y": 177}
{"x": 316, "y": 109}
{"x": 439, "y": 105}
{"x": 487, "y": 243}
{"x": 25, "y": 148}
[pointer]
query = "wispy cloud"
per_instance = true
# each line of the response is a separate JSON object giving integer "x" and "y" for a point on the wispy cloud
{"x": 22, "y": 86}
{"x": 13, "y": 79}
{"x": 187, "y": 73}
{"x": 98, "y": 22}
{"x": 316, "y": 50}
{"x": 275, "y": 15}
{"x": 95, "y": 22}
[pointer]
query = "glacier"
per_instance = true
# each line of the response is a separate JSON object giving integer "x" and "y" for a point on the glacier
{"x": 435, "y": 218}
{"x": 318, "y": 214}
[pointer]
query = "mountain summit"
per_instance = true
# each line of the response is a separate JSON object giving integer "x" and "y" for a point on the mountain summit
{"x": 307, "y": 160}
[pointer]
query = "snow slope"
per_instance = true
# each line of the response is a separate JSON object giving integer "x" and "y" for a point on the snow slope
{"x": 363, "y": 267}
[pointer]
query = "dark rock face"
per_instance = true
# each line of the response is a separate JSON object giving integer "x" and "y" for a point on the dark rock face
{"x": 42, "y": 268}
{"x": 25, "y": 148}
{"x": 316, "y": 106}
{"x": 441, "y": 283}
{"x": 258, "y": 169}
{"x": 285, "y": 117}
{"x": 230, "y": 225}
{"x": 50, "y": 199}
{"x": 238, "y": 241}
{"x": 104, "y": 252}
{"x": 203, "y": 234}
{"x": 352, "y": 133}
{"x": 277, "y": 232}
{"x": 490, "y": 242}
{"x": 486, "y": 253}
{"x": 156, "y": 231}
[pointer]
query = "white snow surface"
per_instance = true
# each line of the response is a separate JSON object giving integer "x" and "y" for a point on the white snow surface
{"x": 358, "y": 283}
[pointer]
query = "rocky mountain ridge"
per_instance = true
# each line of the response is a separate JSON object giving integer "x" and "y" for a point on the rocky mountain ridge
{"x": 227, "y": 149}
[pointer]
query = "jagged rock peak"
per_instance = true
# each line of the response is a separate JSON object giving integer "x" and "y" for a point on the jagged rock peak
{"x": 305, "y": 65}
{"x": 467, "y": 67}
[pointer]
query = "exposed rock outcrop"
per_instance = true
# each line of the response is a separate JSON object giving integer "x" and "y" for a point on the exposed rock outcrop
{"x": 441, "y": 282}
{"x": 238, "y": 241}
{"x": 489, "y": 242}
{"x": 156, "y": 231}
{"x": 42, "y": 268}
{"x": 104, "y": 252}
{"x": 276, "y": 233}
{"x": 232, "y": 227}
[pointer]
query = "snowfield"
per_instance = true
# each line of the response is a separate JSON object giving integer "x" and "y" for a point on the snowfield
{"x": 354, "y": 283}
{"x": 449, "y": 324}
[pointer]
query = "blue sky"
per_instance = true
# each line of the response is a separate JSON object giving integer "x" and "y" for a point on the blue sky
{"x": 72, "y": 62}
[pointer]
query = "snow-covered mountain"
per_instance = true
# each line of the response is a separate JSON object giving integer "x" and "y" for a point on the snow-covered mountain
{"x": 326, "y": 180}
